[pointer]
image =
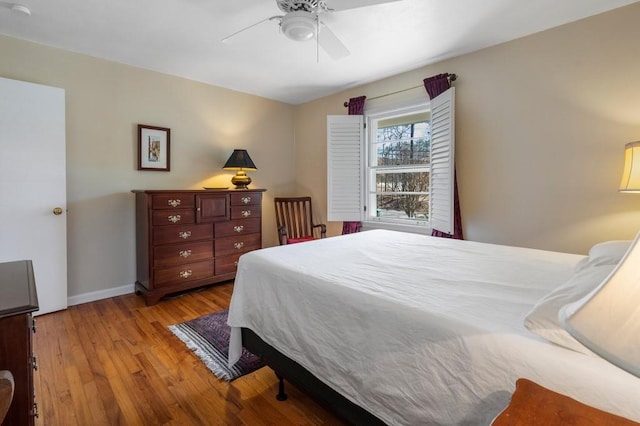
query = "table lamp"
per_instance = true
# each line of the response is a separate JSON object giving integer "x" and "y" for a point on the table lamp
{"x": 240, "y": 161}
{"x": 631, "y": 172}
{"x": 607, "y": 320}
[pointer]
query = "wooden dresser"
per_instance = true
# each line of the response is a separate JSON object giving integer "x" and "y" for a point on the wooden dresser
{"x": 188, "y": 238}
{"x": 18, "y": 299}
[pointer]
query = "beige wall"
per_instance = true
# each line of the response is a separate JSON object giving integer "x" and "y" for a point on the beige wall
{"x": 104, "y": 103}
{"x": 541, "y": 124}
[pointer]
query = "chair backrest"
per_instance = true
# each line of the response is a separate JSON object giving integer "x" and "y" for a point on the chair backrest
{"x": 7, "y": 386}
{"x": 295, "y": 214}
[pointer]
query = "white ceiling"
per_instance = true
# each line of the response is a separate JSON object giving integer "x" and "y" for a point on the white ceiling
{"x": 183, "y": 37}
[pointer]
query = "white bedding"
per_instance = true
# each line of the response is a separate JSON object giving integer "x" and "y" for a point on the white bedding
{"x": 416, "y": 329}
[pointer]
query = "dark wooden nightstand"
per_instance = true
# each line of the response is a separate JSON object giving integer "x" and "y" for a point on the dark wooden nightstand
{"x": 533, "y": 405}
{"x": 18, "y": 299}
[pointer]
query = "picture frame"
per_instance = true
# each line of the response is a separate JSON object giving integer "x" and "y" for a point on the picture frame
{"x": 154, "y": 148}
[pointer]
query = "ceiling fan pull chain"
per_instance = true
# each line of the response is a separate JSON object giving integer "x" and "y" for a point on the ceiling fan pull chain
{"x": 317, "y": 39}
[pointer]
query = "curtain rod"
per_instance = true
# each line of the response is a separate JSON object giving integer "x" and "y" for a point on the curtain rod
{"x": 452, "y": 77}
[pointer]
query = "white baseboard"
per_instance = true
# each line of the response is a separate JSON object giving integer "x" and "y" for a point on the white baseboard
{"x": 100, "y": 294}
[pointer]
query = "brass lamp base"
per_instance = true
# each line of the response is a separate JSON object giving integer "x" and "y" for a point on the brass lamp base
{"x": 241, "y": 180}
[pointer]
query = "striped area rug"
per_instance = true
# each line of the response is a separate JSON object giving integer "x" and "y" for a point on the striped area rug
{"x": 208, "y": 338}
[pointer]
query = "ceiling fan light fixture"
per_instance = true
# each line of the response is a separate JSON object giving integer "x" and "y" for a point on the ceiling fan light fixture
{"x": 299, "y": 26}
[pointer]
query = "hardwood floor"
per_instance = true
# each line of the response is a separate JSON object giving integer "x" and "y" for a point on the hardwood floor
{"x": 115, "y": 362}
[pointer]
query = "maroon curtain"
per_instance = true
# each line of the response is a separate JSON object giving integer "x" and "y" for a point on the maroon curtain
{"x": 436, "y": 85}
{"x": 356, "y": 107}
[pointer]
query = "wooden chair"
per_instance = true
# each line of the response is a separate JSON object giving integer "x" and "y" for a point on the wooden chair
{"x": 7, "y": 386}
{"x": 294, "y": 218}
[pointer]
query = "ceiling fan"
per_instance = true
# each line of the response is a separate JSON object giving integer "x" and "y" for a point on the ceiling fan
{"x": 16, "y": 7}
{"x": 301, "y": 22}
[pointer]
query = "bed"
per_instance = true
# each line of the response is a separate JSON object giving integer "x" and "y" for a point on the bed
{"x": 412, "y": 329}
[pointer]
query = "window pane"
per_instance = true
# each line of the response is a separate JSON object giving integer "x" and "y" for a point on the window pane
{"x": 402, "y": 182}
{"x": 401, "y": 153}
{"x": 402, "y": 206}
{"x": 404, "y": 131}
{"x": 403, "y": 144}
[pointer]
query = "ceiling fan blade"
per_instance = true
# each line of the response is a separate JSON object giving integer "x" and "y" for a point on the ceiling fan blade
{"x": 250, "y": 26}
{"x": 16, "y": 7}
{"x": 331, "y": 43}
{"x": 338, "y": 5}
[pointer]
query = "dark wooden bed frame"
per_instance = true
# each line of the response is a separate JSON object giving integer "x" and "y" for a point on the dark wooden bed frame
{"x": 285, "y": 368}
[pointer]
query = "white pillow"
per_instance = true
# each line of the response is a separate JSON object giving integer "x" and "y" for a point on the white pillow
{"x": 543, "y": 318}
{"x": 605, "y": 253}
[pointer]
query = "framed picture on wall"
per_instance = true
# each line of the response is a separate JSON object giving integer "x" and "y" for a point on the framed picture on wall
{"x": 154, "y": 148}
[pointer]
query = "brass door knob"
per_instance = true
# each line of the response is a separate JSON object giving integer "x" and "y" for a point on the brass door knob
{"x": 57, "y": 211}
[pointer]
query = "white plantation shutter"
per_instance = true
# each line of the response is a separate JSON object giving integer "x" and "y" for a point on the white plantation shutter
{"x": 442, "y": 161}
{"x": 345, "y": 182}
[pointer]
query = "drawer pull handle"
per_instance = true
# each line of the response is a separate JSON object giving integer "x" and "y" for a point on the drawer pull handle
{"x": 246, "y": 200}
{"x": 175, "y": 218}
{"x": 33, "y": 324}
{"x": 246, "y": 213}
{"x": 185, "y": 253}
{"x": 239, "y": 228}
{"x": 35, "y": 413}
{"x": 34, "y": 363}
{"x": 238, "y": 245}
{"x": 186, "y": 274}
{"x": 184, "y": 234}
{"x": 174, "y": 203}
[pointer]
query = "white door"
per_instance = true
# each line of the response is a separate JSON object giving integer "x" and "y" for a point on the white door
{"x": 33, "y": 184}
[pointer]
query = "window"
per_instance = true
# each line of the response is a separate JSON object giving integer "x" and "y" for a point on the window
{"x": 401, "y": 174}
{"x": 399, "y": 151}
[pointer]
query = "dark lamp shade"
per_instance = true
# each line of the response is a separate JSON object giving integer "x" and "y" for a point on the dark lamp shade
{"x": 239, "y": 160}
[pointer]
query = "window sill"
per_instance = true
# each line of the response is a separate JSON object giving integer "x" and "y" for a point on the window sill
{"x": 368, "y": 225}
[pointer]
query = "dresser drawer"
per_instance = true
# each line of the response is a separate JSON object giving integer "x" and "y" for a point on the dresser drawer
{"x": 227, "y": 264}
{"x": 245, "y": 212}
{"x": 246, "y": 198}
{"x": 237, "y": 227}
{"x": 237, "y": 244}
{"x": 183, "y": 273}
{"x": 172, "y": 217}
{"x": 176, "y": 254}
{"x": 172, "y": 201}
{"x": 181, "y": 233}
